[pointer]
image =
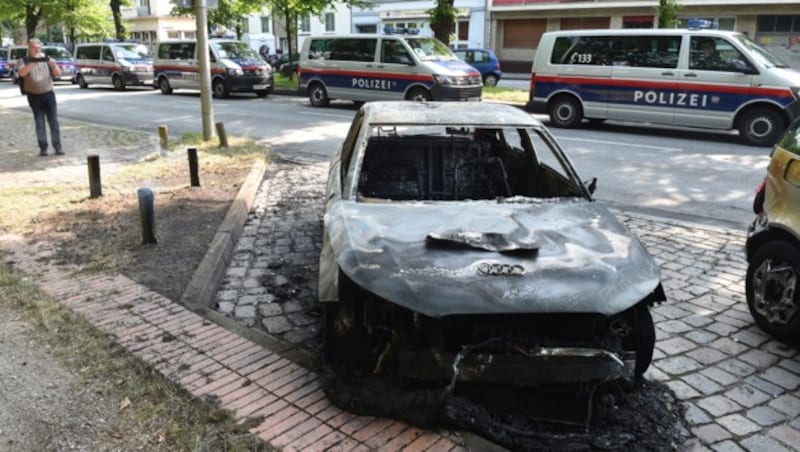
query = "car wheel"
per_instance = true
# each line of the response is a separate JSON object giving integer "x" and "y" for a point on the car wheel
{"x": 318, "y": 95}
{"x": 771, "y": 288}
{"x": 418, "y": 95}
{"x": 565, "y": 111}
{"x": 82, "y": 83}
{"x": 761, "y": 127}
{"x": 219, "y": 90}
{"x": 14, "y": 78}
{"x": 490, "y": 80}
{"x": 163, "y": 83}
{"x": 262, "y": 93}
{"x": 119, "y": 85}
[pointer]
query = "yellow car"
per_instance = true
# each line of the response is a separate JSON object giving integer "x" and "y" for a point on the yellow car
{"x": 773, "y": 243}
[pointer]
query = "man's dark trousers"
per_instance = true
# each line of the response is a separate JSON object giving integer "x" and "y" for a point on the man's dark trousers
{"x": 45, "y": 105}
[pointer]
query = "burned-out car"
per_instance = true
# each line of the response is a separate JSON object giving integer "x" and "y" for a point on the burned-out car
{"x": 461, "y": 246}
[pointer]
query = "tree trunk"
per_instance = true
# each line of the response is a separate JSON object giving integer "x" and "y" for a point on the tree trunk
{"x": 444, "y": 24}
{"x": 290, "y": 19}
{"x": 32, "y": 17}
{"x": 118, "y": 26}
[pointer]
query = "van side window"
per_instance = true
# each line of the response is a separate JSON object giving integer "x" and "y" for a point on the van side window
{"x": 318, "y": 49}
{"x": 646, "y": 51}
{"x": 585, "y": 50}
{"x": 107, "y": 54}
{"x": 355, "y": 49}
{"x": 394, "y": 52}
{"x": 715, "y": 54}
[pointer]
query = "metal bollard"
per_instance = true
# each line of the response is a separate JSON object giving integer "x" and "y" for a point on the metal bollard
{"x": 95, "y": 187}
{"x": 223, "y": 138}
{"x": 194, "y": 177}
{"x": 146, "y": 215}
{"x": 163, "y": 136}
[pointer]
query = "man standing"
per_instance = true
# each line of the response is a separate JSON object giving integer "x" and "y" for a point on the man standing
{"x": 37, "y": 75}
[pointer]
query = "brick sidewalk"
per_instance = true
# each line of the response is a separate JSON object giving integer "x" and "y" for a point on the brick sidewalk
{"x": 215, "y": 364}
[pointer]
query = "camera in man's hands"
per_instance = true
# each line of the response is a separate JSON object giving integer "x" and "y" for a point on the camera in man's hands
{"x": 38, "y": 59}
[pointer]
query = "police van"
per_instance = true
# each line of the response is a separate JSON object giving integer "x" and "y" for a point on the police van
{"x": 696, "y": 78}
{"x": 235, "y": 67}
{"x": 119, "y": 64}
{"x": 367, "y": 67}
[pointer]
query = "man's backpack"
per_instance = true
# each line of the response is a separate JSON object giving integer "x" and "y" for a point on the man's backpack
{"x": 21, "y": 80}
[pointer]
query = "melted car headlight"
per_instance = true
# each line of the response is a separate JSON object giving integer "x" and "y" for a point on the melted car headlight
{"x": 796, "y": 91}
{"x": 233, "y": 71}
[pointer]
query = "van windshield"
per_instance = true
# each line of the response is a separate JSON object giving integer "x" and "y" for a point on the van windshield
{"x": 131, "y": 51}
{"x": 760, "y": 54}
{"x": 431, "y": 49}
{"x": 234, "y": 49}
{"x": 56, "y": 52}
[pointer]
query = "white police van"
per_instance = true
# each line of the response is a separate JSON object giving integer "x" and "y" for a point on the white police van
{"x": 119, "y": 63}
{"x": 367, "y": 67}
{"x": 696, "y": 78}
{"x": 234, "y": 66}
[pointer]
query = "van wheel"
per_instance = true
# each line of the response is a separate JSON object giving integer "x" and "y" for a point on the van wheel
{"x": 163, "y": 83}
{"x": 119, "y": 85}
{"x": 219, "y": 89}
{"x": 418, "y": 95}
{"x": 490, "y": 80}
{"x": 565, "y": 111}
{"x": 14, "y": 78}
{"x": 262, "y": 93}
{"x": 761, "y": 127}
{"x": 82, "y": 83}
{"x": 771, "y": 287}
{"x": 318, "y": 95}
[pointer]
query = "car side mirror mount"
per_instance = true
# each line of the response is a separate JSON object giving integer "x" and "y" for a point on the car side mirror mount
{"x": 591, "y": 185}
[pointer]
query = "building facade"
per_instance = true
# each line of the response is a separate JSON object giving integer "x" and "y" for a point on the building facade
{"x": 149, "y": 21}
{"x": 413, "y": 14}
{"x": 515, "y": 26}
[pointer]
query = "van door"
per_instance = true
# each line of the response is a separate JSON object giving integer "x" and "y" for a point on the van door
{"x": 188, "y": 71}
{"x": 644, "y": 78}
{"x": 352, "y": 74}
{"x": 397, "y": 68}
{"x": 713, "y": 82}
{"x": 107, "y": 66}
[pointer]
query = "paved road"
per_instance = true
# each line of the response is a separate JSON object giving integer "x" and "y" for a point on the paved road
{"x": 702, "y": 175}
{"x": 740, "y": 388}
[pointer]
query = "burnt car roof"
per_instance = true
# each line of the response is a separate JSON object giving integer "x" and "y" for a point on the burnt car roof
{"x": 449, "y": 113}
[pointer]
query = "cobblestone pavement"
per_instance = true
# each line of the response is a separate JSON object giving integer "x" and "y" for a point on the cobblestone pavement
{"x": 741, "y": 388}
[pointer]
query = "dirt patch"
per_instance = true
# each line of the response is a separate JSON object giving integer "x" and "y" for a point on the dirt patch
{"x": 62, "y": 384}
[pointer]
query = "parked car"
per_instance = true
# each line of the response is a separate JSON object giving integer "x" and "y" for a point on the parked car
{"x": 460, "y": 243}
{"x": 64, "y": 60}
{"x": 483, "y": 60}
{"x": 285, "y": 65}
{"x": 5, "y": 70}
{"x": 773, "y": 243}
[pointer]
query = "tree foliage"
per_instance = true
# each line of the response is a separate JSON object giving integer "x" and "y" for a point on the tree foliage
{"x": 79, "y": 18}
{"x": 667, "y": 13}
{"x": 443, "y": 20}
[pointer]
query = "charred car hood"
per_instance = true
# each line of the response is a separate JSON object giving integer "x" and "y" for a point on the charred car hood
{"x": 492, "y": 258}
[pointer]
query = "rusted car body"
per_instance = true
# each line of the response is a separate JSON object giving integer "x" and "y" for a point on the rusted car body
{"x": 461, "y": 246}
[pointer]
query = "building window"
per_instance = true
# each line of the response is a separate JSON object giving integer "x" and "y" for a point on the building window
{"x": 305, "y": 24}
{"x": 330, "y": 22}
{"x": 173, "y": 35}
{"x": 245, "y": 25}
{"x": 637, "y": 22}
{"x": 265, "y": 24}
{"x": 189, "y": 35}
{"x": 366, "y": 28}
{"x": 463, "y": 30}
{"x": 778, "y": 24}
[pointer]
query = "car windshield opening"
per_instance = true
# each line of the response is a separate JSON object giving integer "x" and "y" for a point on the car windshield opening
{"x": 455, "y": 163}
